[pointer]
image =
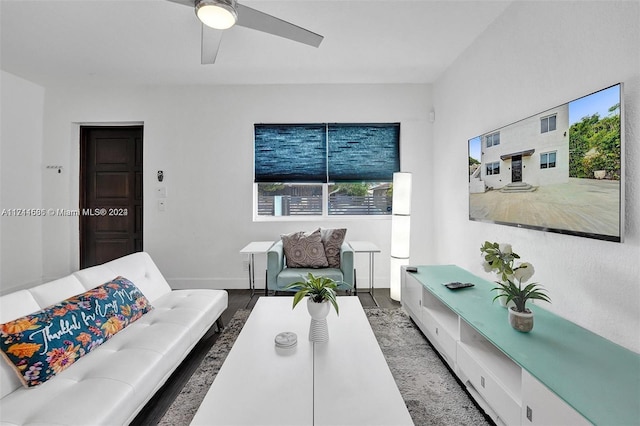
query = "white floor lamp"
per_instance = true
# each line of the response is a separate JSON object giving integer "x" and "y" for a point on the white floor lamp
{"x": 400, "y": 229}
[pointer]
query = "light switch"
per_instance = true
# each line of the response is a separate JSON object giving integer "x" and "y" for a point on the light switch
{"x": 161, "y": 192}
{"x": 161, "y": 205}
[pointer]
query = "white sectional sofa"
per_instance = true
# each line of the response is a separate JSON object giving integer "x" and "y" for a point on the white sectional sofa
{"x": 113, "y": 382}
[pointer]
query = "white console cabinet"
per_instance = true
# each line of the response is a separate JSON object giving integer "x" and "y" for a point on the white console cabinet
{"x": 558, "y": 374}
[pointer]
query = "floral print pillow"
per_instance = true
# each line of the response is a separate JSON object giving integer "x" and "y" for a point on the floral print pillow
{"x": 44, "y": 343}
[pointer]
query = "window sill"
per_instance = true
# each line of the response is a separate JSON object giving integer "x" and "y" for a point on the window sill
{"x": 337, "y": 218}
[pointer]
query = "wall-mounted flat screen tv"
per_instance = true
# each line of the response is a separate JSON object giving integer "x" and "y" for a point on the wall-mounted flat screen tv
{"x": 561, "y": 170}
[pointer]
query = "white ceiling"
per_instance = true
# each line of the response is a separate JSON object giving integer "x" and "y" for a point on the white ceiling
{"x": 157, "y": 42}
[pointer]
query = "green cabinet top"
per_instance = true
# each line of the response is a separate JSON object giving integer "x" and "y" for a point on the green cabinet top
{"x": 598, "y": 378}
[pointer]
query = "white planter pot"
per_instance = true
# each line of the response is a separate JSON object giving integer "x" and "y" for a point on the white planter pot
{"x": 521, "y": 321}
{"x": 318, "y": 329}
{"x": 599, "y": 174}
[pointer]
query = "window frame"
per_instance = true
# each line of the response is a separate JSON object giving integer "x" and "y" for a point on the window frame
{"x": 545, "y": 165}
{"x": 492, "y": 139}
{"x": 494, "y": 165}
{"x": 325, "y": 215}
{"x": 546, "y": 119}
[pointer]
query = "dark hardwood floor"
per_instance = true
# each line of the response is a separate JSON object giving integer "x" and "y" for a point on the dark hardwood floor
{"x": 238, "y": 299}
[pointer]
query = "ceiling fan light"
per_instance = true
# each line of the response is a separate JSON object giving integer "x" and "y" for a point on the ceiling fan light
{"x": 218, "y": 14}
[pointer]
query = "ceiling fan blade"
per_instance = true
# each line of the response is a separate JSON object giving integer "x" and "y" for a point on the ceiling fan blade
{"x": 190, "y": 3}
{"x": 210, "y": 44}
{"x": 251, "y": 18}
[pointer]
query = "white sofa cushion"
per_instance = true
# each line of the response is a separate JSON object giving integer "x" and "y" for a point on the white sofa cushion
{"x": 54, "y": 291}
{"x": 137, "y": 268}
{"x": 195, "y": 309}
{"x": 16, "y": 305}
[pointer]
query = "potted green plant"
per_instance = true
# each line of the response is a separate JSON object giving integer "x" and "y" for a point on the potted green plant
{"x": 322, "y": 293}
{"x": 319, "y": 289}
{"x": 500, "y": 258}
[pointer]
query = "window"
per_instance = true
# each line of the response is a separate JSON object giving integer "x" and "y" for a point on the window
{"x": 492, "y": 139}
{"x": 365, "y": 198}
{"x": 548, "y": 124}
{"x": 280, "y": 199}
{"x": 493, "y": 168}
{"x": 547, "y": 160}
{"x": 325, "y": 169}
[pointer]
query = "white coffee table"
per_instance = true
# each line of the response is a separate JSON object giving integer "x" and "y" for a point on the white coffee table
{"x": 343, "y": 382}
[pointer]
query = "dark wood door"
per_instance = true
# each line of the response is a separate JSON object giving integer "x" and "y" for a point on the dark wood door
{"x": 110, "y": 193}
{"x": 516, "y": 168}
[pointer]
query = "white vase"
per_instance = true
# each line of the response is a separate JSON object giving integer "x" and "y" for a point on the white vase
{"x": 502, "y": 299}
{"x": 521, "y": 321}
{"x": 503, "y": 302}
{"x": 318, "y": 329}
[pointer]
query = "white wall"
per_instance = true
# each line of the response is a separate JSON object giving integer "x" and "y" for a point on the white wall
{"x": 535, "y": 56}
{"x": 202, "y": 138}
{"x": 21, "y": 170}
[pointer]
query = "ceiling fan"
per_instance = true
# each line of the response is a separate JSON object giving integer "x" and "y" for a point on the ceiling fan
{"x": 218, "y": 15}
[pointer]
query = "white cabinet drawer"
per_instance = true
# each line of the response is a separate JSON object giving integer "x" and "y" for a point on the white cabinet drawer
{"x": 411, "y": 296}
{"x": 507, "y": 409}
{"x": 540, "y": 406}
{"x": 440, "y": 337}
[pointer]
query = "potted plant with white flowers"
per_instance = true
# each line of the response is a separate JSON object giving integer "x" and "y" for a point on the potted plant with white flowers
{"x": 501, "y": 259}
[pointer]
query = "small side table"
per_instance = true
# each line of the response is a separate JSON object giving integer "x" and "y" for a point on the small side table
{"x": 251, "y": 249}
{"x": 372, "y": 249}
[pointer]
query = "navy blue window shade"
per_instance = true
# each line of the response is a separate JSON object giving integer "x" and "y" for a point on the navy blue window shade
{"x": 363, "y": 152}
{"x": 290, "y": 153}
{"x": 326, "y": 152}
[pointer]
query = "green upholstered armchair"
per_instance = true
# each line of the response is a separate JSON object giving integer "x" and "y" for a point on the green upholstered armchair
{"x": 279, "y": 276}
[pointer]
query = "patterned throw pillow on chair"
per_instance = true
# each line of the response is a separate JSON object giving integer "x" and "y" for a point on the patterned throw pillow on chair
{"x": 304, "y": 250}
{"x": 332, "y": 240}
{"x": 44, "y": 343}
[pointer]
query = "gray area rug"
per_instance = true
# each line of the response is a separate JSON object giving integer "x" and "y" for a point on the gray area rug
{"x": 429, "y": 389}
{"x": 432, "y": 394}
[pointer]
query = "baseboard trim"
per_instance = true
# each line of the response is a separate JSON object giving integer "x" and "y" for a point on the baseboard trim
{"x": 214, "y": 283}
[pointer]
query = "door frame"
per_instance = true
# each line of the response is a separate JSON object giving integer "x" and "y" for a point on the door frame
{"x": 75, "y": 178}
{"x": 513, "y": 169}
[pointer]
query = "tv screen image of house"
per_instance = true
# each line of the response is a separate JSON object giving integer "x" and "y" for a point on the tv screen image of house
{"x": 561, "y": 170}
